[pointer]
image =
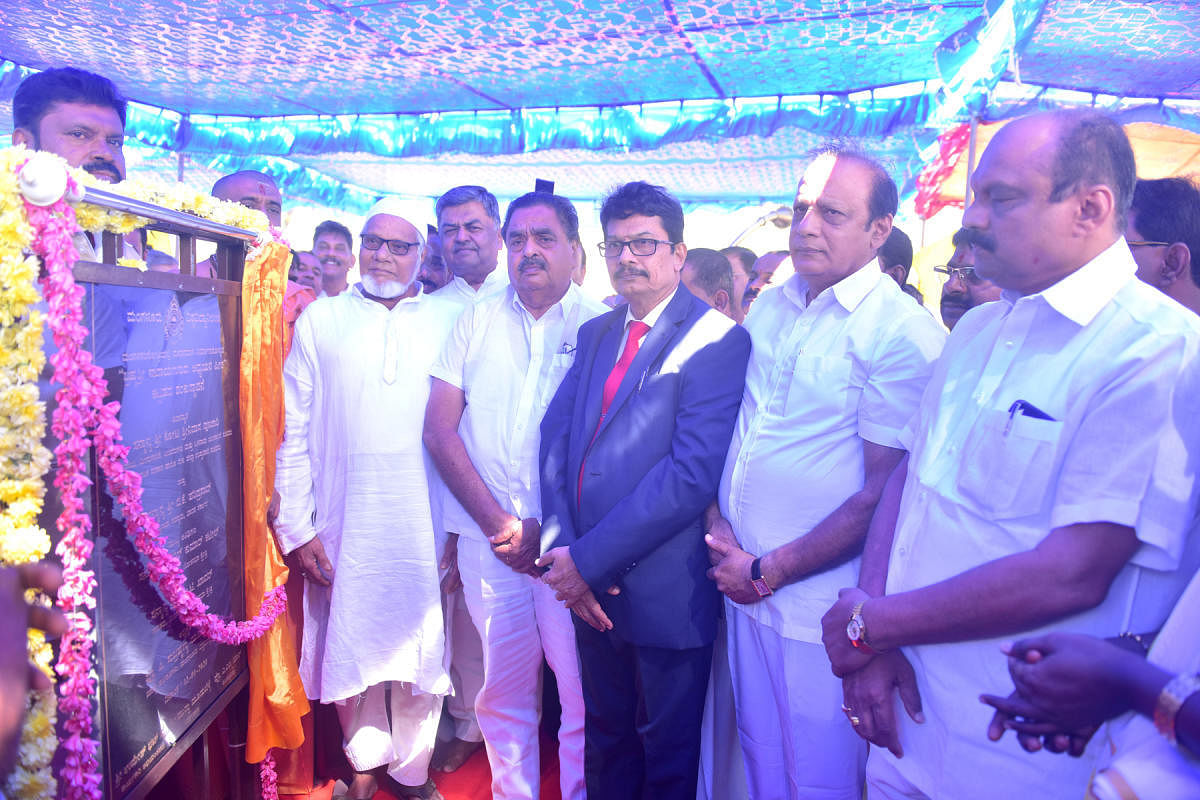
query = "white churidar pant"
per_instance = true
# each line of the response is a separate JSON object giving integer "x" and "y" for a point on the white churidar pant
{"x": 518, "y": 620}
{"x": 405, "y": 745}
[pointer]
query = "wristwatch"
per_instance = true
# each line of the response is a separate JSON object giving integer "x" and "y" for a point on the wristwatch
{"x": 757, "y": 581}
{"x": 1177, "y": 692}
{"x": 856, "y": 629}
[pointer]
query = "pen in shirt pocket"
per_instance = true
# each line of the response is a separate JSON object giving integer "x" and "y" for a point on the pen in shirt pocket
{"x": 1026, "y": 409}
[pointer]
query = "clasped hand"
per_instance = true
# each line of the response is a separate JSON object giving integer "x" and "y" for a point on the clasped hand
{"x": 517, "y": 543}
{"x": 572, "y": 590}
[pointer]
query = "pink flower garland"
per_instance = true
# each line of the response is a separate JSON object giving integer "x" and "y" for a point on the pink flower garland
{"x": 268, "y": 777}
{"x": 81, "y": 408}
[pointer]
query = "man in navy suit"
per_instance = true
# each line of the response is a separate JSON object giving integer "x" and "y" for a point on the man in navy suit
{"x": 633, "y": 445}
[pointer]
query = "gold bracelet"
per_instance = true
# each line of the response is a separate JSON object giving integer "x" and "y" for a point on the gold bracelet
{"x": 1170, "y": 700}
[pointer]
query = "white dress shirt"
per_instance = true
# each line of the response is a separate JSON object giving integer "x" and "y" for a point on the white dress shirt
{"x": 650, "y": 319}
{"x": 509, "y": 366}
{"x": 823, "y": 377}
{"x": 1072, "y": 405}
{"x": 462, "y": 293}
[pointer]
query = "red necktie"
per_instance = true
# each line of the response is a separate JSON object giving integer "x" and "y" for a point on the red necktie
{"x": 637, "y": 329}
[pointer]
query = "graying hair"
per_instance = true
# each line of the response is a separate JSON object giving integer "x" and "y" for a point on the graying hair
{"x": 461, "y": 195}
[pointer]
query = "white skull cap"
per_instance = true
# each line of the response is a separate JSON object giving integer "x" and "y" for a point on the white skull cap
{"x": 393, "y": 206}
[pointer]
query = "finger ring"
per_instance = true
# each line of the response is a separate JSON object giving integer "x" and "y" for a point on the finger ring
{"x": 855, "y": 721}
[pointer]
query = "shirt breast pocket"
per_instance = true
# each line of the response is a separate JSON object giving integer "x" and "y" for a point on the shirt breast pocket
{"x": 1008, "y": 462}
{"x": 820, "y": 386}
{"x": 560, "y": 365}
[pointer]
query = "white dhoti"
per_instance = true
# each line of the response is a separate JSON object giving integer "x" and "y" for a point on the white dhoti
{"x": 789, "y": 716}
{"x": 404, "y": 743}
{"x": 722, "y": 773}
{"x": 518, "y": 620}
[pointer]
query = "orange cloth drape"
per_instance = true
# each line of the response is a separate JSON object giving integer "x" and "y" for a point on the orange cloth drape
{"x": 277, "y": 700}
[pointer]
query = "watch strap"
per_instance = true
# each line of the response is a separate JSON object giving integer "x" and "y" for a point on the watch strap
{"x": 757, "y": 581}
{"x": 1170, "y": 700}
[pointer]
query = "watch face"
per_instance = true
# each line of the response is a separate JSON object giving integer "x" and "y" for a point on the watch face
{"x": 854, "y": 629}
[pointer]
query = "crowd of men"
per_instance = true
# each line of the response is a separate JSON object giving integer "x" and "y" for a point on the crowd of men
{"x": 748, "y": 545}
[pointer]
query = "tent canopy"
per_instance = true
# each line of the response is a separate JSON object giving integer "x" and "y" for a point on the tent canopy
{"x": 344, "y": 100}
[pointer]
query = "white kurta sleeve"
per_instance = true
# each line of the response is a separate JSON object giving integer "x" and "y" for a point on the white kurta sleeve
{"x": 293, "y": 466}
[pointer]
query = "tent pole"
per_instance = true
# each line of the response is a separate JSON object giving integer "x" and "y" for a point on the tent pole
{"x": 179, "y": 173}
{"x": 971, "y": 159}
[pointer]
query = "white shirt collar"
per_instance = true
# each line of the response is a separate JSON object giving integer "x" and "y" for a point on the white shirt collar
{"x": 653, "y": 314}
{"x": 493, "y": 281}
{"x": 562, "y": 308}
{"x": 849, "y": 291}
{"x": 1080, "y": 295}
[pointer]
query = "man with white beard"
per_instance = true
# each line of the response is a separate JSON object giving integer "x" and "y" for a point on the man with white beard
{"x": 355, "y": 508}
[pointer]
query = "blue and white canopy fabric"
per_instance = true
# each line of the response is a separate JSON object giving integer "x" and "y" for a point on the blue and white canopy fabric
{"x": 344, "y": 100}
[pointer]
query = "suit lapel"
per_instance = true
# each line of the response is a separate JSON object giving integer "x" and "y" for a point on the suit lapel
{"x": 601, "y": 362}
{"x": 662, "y": 334}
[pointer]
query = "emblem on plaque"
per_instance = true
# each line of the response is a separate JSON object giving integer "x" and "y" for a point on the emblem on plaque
{"x": 173, "y": 325}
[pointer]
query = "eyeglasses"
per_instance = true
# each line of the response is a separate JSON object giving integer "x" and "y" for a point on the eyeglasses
{"x": 396, "y": 247}
{"x": 639, "y": 247}
{"x": 966, "y": 274}
{"x": 1148, "y": 244}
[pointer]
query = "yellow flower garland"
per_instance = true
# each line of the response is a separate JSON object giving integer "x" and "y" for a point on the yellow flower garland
{"x": 23, "y": 460}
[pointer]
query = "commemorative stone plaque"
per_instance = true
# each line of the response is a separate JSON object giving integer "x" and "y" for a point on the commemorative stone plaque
{"x": 171, "y": 359}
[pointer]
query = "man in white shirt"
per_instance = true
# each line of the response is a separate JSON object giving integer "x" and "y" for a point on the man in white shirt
{"x": 334, "y": 246}
{"x": 1051, "y": 478}
{"x": 469, "y": 235}
{"x": 354, "y": 506}
{"x": 839, "y": 361}
{"x": 502, "y": 364}
{"x": 468, "y": 219}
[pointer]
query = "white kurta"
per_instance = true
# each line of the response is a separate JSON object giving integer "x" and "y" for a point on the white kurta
{"x": 352, "y": 470}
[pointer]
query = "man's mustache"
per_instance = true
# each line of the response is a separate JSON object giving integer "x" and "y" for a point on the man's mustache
{"x": 629, "y": 272}
{"x": 979, "y": 239}
{"x": 527, "y": 263}
{"x": 107, "y": 167}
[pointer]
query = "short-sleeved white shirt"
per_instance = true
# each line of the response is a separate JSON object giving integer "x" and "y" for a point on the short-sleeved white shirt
{"x": 508, "y": 365}
{"x": 1113, "y": 364}
{"x": 823, "y": 377}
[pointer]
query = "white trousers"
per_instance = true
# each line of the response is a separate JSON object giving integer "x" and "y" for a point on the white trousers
{"x": 466, "y": 666}
{"x": 518, "y": 620}
{"x": 404, "y": 744}
{"x": 796, "y": 741}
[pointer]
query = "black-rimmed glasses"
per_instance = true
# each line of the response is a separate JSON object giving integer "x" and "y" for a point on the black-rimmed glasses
{"x": 639, "y": 247}
{"x": 397, "y": 247}
{"x": 965, "y": 274}
{"x": 1147, "y": 244}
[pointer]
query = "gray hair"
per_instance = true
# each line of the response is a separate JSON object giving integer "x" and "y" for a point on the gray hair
{"x": 461, "y": 195}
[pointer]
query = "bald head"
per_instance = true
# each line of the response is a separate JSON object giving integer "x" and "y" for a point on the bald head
{"x": 1051, "y": 193}
{"x": 252, "y": 189}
